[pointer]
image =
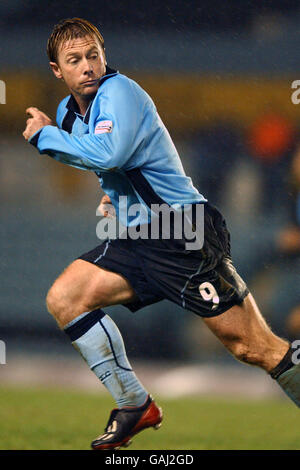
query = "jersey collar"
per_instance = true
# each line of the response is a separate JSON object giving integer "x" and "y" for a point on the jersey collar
{"x": 72, "y": 103}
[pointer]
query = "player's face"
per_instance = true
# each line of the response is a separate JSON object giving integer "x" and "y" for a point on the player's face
{"x": 81, "y": 64}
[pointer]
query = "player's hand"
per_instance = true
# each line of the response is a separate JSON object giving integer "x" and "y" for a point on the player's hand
{"x": 37, "y": 120}
{"x": 106, "y": 208}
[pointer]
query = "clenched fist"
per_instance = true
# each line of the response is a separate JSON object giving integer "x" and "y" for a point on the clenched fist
{"x": 106, "y": 208}
{"x": 36, "y": 122}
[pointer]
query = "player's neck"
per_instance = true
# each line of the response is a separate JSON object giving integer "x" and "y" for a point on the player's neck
{"x": 83, "y": 103}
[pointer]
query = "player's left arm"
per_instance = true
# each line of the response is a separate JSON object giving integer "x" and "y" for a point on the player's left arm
{"x": 106, "y": 208}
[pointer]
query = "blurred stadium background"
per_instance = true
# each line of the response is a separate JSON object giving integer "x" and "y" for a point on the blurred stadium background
{"x": 220, "y": 74}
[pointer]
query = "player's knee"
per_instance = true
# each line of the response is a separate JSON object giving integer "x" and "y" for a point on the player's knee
{"x": 65, "y": 304}
{"x": 56, "y": 302}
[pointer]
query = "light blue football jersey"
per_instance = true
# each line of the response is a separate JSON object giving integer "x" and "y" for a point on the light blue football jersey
{"x": 123, "y": 140}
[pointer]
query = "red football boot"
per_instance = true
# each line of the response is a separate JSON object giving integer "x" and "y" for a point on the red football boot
{"x": 125, "y": 422}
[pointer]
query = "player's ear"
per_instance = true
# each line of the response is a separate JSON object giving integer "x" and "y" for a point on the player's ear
{"x": 56, "y": 70}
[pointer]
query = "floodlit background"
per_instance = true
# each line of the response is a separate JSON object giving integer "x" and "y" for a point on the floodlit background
{"x": 220, "y": 74}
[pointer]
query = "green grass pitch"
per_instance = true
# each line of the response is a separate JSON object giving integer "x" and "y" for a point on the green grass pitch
{"x": 68, "y": 420}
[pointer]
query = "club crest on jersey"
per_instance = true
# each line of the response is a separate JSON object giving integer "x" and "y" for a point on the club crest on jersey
{"x": 103, "y": 126}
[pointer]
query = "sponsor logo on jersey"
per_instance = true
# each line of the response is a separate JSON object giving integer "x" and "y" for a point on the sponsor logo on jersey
{"x": 103, "y": 126}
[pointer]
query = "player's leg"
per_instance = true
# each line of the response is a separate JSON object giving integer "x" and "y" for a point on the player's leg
{"x": 84, "y": 287}
{"x": 76, "y": 300}
{"x": 245, "y": 333}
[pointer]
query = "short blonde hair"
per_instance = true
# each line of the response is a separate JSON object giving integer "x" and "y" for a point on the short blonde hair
{"x": 70, "y": 28}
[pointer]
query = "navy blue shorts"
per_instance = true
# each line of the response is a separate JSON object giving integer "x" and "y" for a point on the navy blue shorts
{"x": 203, "y": 281}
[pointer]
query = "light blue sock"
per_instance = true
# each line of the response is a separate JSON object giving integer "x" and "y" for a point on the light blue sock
{"x": 287, "y": 375}
{"x": 289, "y": 381}
{"x": 99, "y": 341}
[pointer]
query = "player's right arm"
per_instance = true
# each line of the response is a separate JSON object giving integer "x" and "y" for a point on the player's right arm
{"x": 95, "y": 151}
